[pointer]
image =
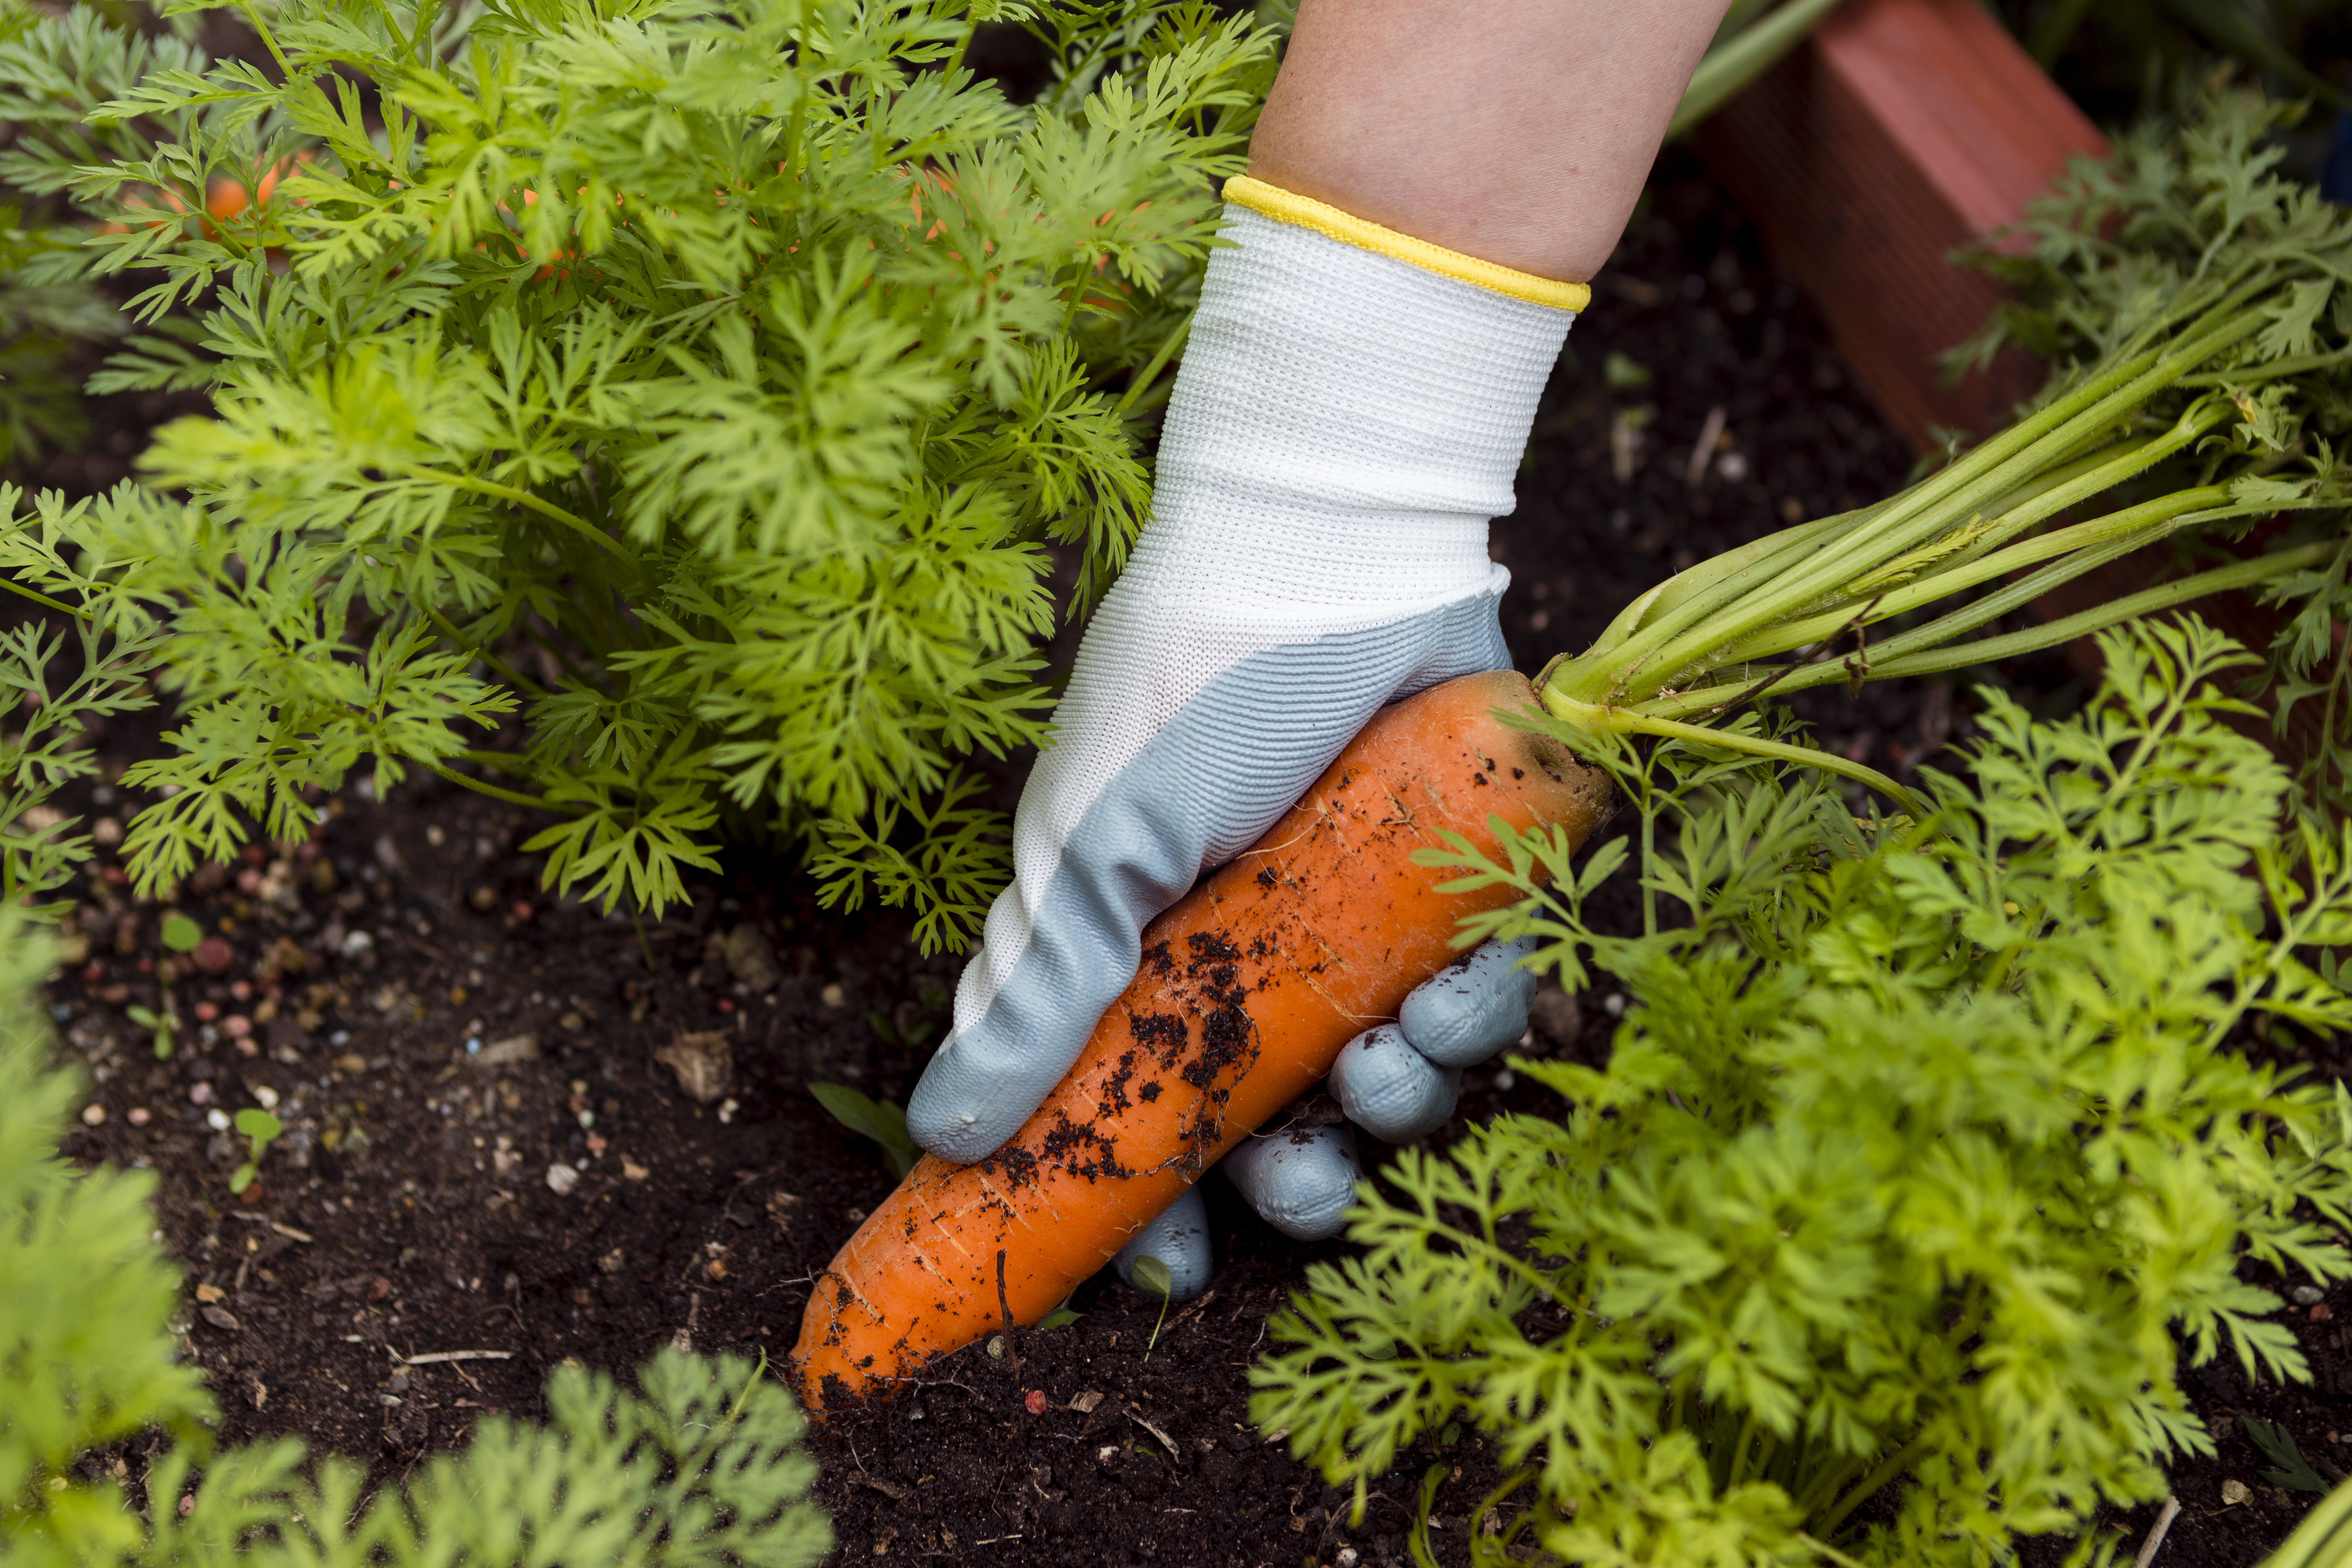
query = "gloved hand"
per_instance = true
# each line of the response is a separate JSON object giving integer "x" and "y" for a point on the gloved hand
{"x": 1344, "y": 424}
{"x": 1398, "y": 1082}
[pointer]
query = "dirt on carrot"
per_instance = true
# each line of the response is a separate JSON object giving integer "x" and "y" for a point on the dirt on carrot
{"x": 1247, "y": 990}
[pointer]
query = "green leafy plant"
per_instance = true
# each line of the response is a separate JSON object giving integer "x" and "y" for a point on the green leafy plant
{"x": 181, "y": 933}
{"x": 85, "y": 1292}
{"x": 703, "y": 1465}
{"x": 705, "y": 385}
{"x": 2277, "y": 1444}
{"x": 869, "y": 1117}
{"x": 40, "y": 318}
{"x": 2116, "y": 53}
{"x": 47, "y": 303}
{"x": 46, "y": 746}
{"x": 259, "y": 1129}
{"x": 1918, "y": 1143}
{"x": 161, "y": 1025}
{"x": 2182, "y": 214}
{"x": 2195, "y": 398}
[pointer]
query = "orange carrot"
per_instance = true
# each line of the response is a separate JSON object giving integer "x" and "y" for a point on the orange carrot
{"x": 1248, "y": 989}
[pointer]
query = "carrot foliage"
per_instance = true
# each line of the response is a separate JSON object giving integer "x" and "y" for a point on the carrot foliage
{"x": 2201, "y": 388}
{"x": 695, "y": 394}
{"x": 1917, "y": 1145}
{"x": 2183, "y": 213}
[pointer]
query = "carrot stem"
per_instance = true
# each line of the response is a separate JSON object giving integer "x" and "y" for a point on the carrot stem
{"x": 39, "y": 598}
{"x": 1808, "y": 570}
{"x": 512, "y": 797}
{"x": 1599, "y": 720}
{"x": 548, "y": 509}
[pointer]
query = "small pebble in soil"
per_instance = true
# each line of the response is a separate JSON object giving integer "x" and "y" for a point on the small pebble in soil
{"x": 93, "y": 1114}
{"x": 996, "y": 1347}
{"x": 139, "y": 1116}
{"x": 1344, "y": 1558}
{"x": 1034, "y": 1402}
{"x": 267, "y": 1096}
{"x": 562, "y": 1178}
{"x": 2321, "y": 1313}
{"x": 202, "y": 1094}
{"x": 216, "y": 1119}
{"x": 2307, "y": 1295}
{"x": 833, "y": 995}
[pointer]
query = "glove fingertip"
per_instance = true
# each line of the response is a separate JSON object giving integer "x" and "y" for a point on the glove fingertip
{"x": 1302, "y": 1183}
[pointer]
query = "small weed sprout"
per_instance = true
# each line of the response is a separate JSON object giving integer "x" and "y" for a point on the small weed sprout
{"x": 259, "y": 1129}
{"x": 181, "y": 933}
{"x": 877, "y": 1119}
{"x": 2277, "y": 1444}
{"x": 1151, "y": 1277}
{"x": 162, "y": 1024}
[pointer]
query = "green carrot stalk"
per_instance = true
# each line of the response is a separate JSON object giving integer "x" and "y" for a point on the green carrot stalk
{"x": 1992, "y": 532}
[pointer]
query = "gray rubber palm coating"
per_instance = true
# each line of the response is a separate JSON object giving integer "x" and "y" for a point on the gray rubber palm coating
{"x": 1180, "y": 1240}
{"x": 1473, "y": 1009}
{"x": 1301, "y": 1184}
{"x": 1391, "y": 1090}
{"x": 1225, "y": 768}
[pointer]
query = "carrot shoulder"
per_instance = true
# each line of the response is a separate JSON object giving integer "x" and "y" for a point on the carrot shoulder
{"x": 1248, "y": 988}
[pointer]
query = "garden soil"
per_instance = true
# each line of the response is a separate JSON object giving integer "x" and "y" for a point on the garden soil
{"x": 520, "y": 1132}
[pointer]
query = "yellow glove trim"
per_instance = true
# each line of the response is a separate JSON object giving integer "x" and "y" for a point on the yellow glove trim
{"x": 1284, "y": 206}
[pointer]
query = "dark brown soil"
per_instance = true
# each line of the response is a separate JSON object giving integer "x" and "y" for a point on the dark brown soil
{"x": 382, "y": 982}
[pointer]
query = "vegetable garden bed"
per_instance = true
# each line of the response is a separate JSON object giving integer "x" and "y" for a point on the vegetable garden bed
{"x": 484, "y": 1154}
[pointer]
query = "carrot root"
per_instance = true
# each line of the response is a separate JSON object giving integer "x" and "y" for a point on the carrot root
{"x": 1249, "y": 987}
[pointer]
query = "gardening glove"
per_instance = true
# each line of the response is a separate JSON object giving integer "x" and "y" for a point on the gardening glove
{"x": 1398, "y": 1082}
{"x": 1351, "y": 410}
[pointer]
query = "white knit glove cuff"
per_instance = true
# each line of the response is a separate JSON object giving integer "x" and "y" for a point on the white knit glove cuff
{"x": 1345, "y": 425}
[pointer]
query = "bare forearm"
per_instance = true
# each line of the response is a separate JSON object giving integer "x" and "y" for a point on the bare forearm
{"x": 1519, "y": 131}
